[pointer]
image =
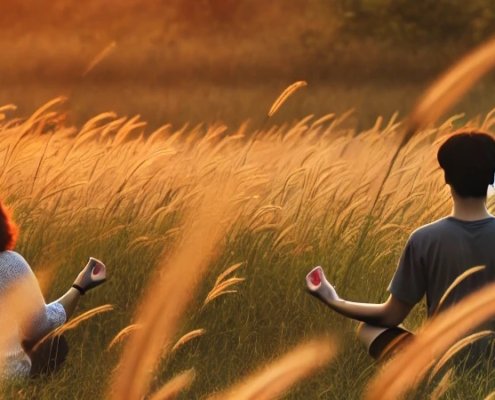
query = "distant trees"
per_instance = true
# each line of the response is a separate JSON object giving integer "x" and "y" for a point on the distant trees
{"x": 419, "y": 20}
{"x": 396, "y": 21}
{"x": 412, "y": 21}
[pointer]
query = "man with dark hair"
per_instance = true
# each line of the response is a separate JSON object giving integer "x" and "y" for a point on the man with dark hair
{"x": 468, "y": 160}
{"x": 435, "y": 254}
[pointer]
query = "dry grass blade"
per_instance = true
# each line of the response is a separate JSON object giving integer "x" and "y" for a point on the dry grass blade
{"x": 456, "y": 348}
{"x": 167, "y": 298}
{"x": 282, "y": 235}
{"x": 442, "y": 386}
{"x": 123, "y": 334}
{"x": 218, "y": 294}
{"x": 491, "y": 396}
{"x": 277, "y": 377}
{"x": 322, "y": 120}
{"x": 442, "y": 95}
{"x": 63, "y": 189}
{"x": 187, "y": 337}
{"x": 285, "y": 95}
{"x": 404, "y": 371}
{"x": 228, "y": 271}
{"x": 39, "y": 113}
{"x": 99, "y": 57}
{"x": 449, "y": 88}
{"x": 173, "y": 387}
{"x": 221, "y": 288}
{"x": 87, "y": 315}
{"x": 75, "y": 322}
{"x": 456, "y": 282}
{"x": 8, "y": 107}
{"x": 93, "y": 122}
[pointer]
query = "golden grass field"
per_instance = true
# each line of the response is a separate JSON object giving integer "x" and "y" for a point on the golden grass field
{"x": 208, "y": 232}
{"x": 208, "y": 213}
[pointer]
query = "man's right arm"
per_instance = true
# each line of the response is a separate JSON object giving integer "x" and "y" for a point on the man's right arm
{"x": 388, "y": 314}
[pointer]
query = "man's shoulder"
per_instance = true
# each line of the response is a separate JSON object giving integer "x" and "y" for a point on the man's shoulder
{"x": 448, "y": 227}
{"x": 433, "y": 229}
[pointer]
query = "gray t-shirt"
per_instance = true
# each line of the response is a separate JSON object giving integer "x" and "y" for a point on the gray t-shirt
{"x": 437, "y": 253}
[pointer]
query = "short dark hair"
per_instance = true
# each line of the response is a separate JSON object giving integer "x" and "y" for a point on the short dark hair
{"x": 468, "y": 160}
{"x": 8, "y": 229}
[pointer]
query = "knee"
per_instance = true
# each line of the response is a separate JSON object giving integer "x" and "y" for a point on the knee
{"x": 367, "y": 333}
{"x": 49, "y": 356}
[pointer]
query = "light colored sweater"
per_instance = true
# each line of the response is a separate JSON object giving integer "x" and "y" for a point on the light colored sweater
{"x": 14, "y": 268}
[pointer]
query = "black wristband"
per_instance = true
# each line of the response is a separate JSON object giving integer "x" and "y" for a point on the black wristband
{"x": 79, "y": 289}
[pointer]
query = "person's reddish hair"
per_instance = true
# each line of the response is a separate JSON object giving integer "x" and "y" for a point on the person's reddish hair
{"x": 8, "y": 229}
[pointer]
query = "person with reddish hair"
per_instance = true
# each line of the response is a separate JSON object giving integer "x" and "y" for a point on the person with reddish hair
{"x": 435, "y": 254}
{"x": 24, "y": 352}
{"x": 8, "y": 230}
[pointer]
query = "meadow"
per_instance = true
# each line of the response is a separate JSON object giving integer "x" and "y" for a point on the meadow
{"x": 207, "y": 213}
{"x": 169, "y": 210}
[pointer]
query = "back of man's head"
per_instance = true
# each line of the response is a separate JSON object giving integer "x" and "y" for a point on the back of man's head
{"x": 468, "y": 160}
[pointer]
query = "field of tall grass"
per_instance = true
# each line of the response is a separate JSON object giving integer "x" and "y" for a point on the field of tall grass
{"x": 208, "y": 232}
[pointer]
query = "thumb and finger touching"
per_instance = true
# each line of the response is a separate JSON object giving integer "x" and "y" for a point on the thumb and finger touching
{"x": 92, "y": 275}
{"x": 319, "y": 286}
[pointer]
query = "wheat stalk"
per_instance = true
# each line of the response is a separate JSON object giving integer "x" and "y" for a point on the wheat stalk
{"x": 123, "y": 334}
{"x": 451, "y": 86}
{"x": 456, "y": 348}
{"x": 278, "y": 376}
{"x": 168, "y": 296}
{"x": 172, "y": 388}
{"x": 291, "y": 89}
{"x": 75, "y": 322}
{"x": 442, "y": 386}
{"x": 456, "y": 282}
{"x": 491, "y": 396}
{"x": 99, "y": 57}
{"x": 227, "y": 272}
{"x": 441, "y": 96}
{"x": 188, "y": 337}
{"x": 220, "y": 288}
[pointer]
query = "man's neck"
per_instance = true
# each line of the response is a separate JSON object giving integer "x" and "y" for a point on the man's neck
{"x": 469, "y": 208}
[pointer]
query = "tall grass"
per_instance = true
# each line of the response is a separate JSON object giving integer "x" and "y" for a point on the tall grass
{"x": 169, "y": 211}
